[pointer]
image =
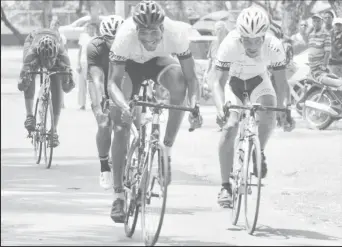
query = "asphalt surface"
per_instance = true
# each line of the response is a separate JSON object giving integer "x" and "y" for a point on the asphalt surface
{"x": 66, "y": 206}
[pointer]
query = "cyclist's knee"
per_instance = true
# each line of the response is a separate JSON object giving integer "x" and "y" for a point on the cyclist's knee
{"x": 174, "y": 81}
{"x": 231, "y": 127}
{"x": 104, "y": 131}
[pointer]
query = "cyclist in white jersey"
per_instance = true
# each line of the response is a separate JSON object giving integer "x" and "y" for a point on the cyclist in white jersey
{"x": 143, "y": 47}
{"x": 242, "y": 63}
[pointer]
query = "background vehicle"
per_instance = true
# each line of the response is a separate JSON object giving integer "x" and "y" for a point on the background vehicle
{"x": 72, "y": 31}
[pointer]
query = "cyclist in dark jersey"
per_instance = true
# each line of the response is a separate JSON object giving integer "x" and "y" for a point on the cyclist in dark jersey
{"x": 43, "y": 49}
{"x": 98, "y": 62}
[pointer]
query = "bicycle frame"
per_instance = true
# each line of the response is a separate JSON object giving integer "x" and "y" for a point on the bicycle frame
{"x": 140, "y": 135}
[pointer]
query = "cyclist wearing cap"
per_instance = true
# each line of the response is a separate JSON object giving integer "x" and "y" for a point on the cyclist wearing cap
{"x": 242, "y": 63}
{"x": 98, "y": 62}
{"x": 43, "y": 49}
{"x": 143, "y": 47}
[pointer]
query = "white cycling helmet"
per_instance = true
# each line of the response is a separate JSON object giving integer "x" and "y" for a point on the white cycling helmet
{"x": 252, "y": 22}
{"x": 110, "y": 25}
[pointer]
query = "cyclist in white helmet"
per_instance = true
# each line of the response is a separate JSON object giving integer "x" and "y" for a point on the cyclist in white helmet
{"x": 242, "y": 63}
{"x": 98, "y": 61}
{"x": 143, "y": 47}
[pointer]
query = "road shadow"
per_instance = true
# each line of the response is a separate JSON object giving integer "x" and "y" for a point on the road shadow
{"x": 266, "y": 231}
{"x": 178, "y": 241}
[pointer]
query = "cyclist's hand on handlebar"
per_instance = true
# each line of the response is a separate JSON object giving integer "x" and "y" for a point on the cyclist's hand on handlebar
{"x": 103, "y": 119}
{"x": 221, "y": 118}
{"x": 126, "y": 116}
{"x": 195, "y": 121}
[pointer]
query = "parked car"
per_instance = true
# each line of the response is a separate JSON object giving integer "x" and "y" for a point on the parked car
{"x": 205, "y": 25}
{"x": 72, "y": 31}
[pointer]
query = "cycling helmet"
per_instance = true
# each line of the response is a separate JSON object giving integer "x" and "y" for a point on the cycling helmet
{"x": 109, "y": 26}
{"x": 148, "y": 13}
{"x": 47, "y": 47}
{"x": 253, "y": 22}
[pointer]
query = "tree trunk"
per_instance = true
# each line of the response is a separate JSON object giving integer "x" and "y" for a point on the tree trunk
{"x": 337, "y": 7}
{"x": 79, "y": 9}
{"x": 47, "y": 13}
{"x": 180, "y": 11}
{"x": 219, "y": 5}
{"x": 7, "y": 23}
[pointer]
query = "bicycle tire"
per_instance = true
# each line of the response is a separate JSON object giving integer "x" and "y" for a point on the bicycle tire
{"x": 48, "y": 136}
{"x": 151, "y": 239}
{"x": 254, "y": 142}
{"x": 236, "y": 195}
{"x": 37, "y": 144}
{"x": 131, "y": 208}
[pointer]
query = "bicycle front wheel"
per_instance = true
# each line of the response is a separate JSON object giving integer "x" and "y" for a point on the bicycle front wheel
{"x": 48, "y": 132}
{"x": 131, "y": 190}
{"x": 236, "y": 178}
{"x": 37, "y": 144}
{"x": 154, "y": 194}
{"x": 252, "y": 178}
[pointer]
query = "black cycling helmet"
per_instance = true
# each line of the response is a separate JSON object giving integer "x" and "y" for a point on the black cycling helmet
{"x": 47, "y": 47}
{"x": 148, "y": 13}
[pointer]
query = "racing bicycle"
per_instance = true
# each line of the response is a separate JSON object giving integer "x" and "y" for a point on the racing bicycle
{"x": 147, "y": 169}
{"x": 246, "y": 170}
{"x": 42, "y": 136}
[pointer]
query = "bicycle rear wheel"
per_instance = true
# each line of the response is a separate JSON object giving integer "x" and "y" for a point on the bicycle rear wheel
{"x": 37, "y": 144}
{"x": 252, "y": 184}
{"x": 154, "y": 188}
{"x": 131, "y": 190}
{"x": 48, "y": 131}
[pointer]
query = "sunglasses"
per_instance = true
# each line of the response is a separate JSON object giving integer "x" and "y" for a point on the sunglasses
{"x": 145, "y": 33}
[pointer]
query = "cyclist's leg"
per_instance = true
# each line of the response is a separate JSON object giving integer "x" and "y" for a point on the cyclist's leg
{"x": 95, "y": 78}
{"x": 56, "y": 97}
{"x": 265, "y": 95}
{"x": 30, "y": 122}
{"x": 120, "y": 141}
{"x": 27, "y": 84}
{"x": 226, "y": 146}
{"x": 170, "y": 75}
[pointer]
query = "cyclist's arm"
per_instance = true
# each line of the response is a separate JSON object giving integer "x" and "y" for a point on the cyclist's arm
{"x": 95, "y": 78}
{"x": 63, "y": 57}
{"x": 116, "y": 73}
{"x": 278, "y": 69}
{"x": 219, "y": 76}
{"x": 187, "y": 63}
{"x": 220, "y": 72}
{"x": 327, "y": 49}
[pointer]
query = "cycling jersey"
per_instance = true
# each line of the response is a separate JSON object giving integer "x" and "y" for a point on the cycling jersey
{"x": 231, "y": 56}
{"x": 98, "y": 54}
{"x": 31, "y": 59}
{"x": 128, "y": 47}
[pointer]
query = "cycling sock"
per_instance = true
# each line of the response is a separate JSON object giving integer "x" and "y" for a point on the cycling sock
{"x": 104, "y": 164}
{"x": 168, "y": 150}
{"x": 119, "y": 193}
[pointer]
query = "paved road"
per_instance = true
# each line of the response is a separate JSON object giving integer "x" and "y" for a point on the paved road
{"x": 301, "y": 202}
{"x": 65, "y": 205}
